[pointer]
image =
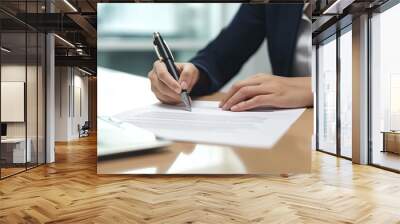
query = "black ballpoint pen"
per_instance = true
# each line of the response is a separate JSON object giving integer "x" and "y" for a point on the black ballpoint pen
{"x": 164, "y": 54}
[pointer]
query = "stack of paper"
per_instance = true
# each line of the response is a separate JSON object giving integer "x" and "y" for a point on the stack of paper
{"x": 207, "y": 123}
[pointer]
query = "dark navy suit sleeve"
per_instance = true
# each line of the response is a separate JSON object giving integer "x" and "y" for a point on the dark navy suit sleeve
{"x": 222, "y": 58}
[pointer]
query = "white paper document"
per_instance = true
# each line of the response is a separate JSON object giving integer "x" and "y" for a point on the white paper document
{"x": 207, "y": 123}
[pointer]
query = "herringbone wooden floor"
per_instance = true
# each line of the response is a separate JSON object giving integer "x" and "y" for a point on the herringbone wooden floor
{"x": 70, "y": 191}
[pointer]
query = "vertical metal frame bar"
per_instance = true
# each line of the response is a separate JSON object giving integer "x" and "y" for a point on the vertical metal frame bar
{"x": 338, "y": 98}
{"x": 316, "y": 107}
{"x": 44, "y": 79}
{"x": 369, "y": 37}
{"x": 26, "y": 87}
{"x": 37, "y": 90}
{"x": 73, "y": 91}
{"x": 69, "y": 92}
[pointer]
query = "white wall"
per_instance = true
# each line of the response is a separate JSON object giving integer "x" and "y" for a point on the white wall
{"x": 14, "y": 73}
{"x": 70, "y": 83}
{"x": 62, "y": 81}
{"x": 81, "y": 103}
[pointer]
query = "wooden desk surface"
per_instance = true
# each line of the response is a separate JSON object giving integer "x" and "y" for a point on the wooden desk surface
{"x": 291, "y": 154}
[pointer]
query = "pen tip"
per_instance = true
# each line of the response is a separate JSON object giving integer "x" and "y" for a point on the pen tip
{"x": 186, "y": 100}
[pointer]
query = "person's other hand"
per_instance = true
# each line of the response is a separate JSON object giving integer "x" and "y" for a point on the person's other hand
{"x": 264, "y": 90}
{"x": 165, "y": 87}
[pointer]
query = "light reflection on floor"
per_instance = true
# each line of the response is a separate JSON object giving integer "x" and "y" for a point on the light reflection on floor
{"x": 204, "y": 158}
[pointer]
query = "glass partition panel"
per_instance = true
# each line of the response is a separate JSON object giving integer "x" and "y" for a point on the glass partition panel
{"x": 22, "y": 88}
{"x": 346, "y": 94}
{"x": 14, "y": 153}
{"x": 385, "y": 89}
{"x": 327, "y": 96}
{"x": 31, "y": 97}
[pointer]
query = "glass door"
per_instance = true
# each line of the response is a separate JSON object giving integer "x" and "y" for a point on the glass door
{"x": 346, "y": 92}
{"x": 385, "y": 89}
{"x": 326, "y": 102}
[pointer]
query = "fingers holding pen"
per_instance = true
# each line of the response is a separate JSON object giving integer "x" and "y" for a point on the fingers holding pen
{"x": 162, "y": 91}
{"x": 185, "y": 78}
{"x": 189, "y": 75}
{"x": 163, "y": 75}
{"x": 166, "y": 88}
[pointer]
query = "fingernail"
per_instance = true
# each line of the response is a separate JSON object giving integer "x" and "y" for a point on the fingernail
{"x": 184, "y": 85}
{"x": 234, "y": 107}
{"x": 225, "y": 107}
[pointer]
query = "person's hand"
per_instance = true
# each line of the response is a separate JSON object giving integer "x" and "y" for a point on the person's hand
{"x": 266, "y": 90}
{"x": 165, "y": 87}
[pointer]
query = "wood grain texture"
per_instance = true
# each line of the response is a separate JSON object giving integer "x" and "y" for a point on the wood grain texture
{"x": 70, "y": 191}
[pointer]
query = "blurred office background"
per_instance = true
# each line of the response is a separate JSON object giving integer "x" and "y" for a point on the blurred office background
{"x": 125, "y": 34}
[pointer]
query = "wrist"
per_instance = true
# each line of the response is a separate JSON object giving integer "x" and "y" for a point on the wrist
{"x": 196, "y": 74}
{"x": 304, "y": 82}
